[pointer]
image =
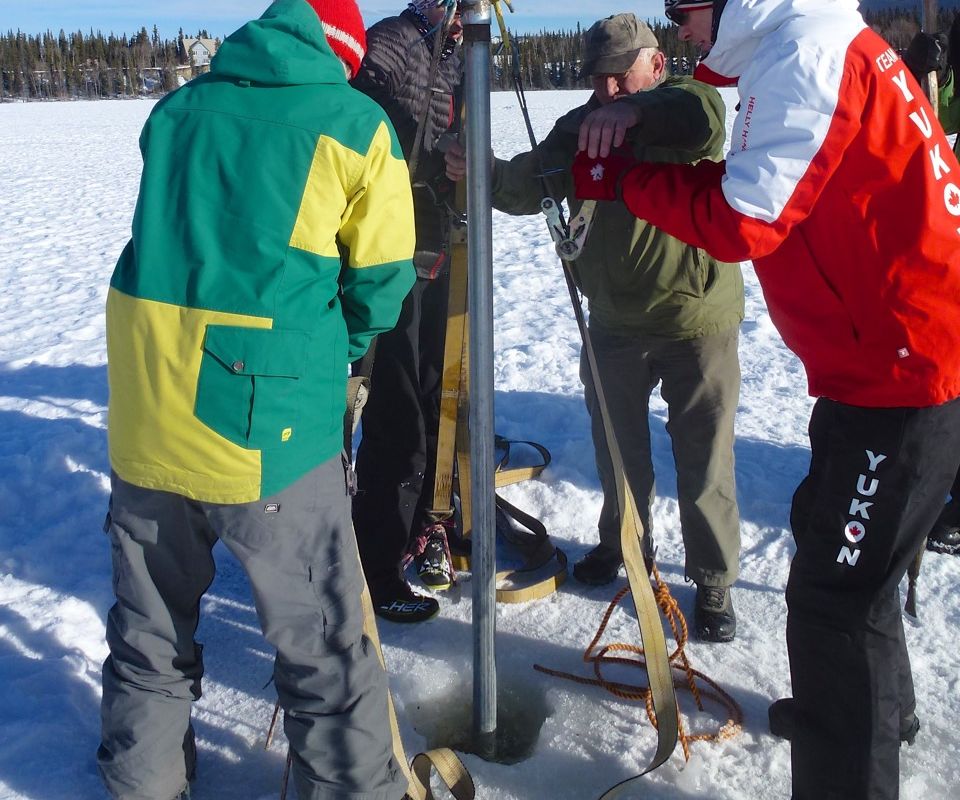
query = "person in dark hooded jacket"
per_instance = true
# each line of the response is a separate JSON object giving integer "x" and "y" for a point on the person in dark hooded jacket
{"x": 396, "y": 456}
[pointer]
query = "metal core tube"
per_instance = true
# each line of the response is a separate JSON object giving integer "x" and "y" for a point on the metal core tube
{"x": 476, "y": 15}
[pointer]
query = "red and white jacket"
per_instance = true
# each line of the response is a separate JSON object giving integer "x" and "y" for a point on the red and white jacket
{"x": 841, "y": 186}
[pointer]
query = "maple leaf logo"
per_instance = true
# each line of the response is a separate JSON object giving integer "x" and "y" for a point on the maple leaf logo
{"x": 854, "y": 532}
{"x": 596, "y": 172}
{"x": 953, "y": 200}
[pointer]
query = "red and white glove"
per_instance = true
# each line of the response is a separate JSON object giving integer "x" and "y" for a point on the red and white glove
{"x": 599, "y": 178}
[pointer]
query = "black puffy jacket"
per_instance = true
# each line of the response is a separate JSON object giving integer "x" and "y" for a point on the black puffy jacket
{"x": 396, "y": 73}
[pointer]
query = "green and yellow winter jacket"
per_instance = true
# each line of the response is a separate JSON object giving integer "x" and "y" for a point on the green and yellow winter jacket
{"x": 272, "y": 239}
{"x": 637, "y": 279}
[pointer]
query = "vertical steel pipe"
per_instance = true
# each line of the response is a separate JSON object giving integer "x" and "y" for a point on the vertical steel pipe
{"x": 476, "y": 16}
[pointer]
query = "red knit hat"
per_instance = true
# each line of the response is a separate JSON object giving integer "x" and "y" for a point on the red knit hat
{"x": 344, "y": 29}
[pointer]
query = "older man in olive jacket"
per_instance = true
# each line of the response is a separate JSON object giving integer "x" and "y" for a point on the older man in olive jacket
{"x": 661, "y": 312}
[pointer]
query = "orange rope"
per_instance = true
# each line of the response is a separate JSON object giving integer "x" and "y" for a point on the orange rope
{"x": 686, "y": 676}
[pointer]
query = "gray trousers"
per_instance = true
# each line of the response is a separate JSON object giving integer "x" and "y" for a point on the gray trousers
{"x": 700, "y": 382}
{"x": 300, "y": 554}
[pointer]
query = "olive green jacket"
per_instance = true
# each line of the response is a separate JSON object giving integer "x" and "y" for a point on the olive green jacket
{"x": 949, "y": 110}
{"x": 637, "y": 279}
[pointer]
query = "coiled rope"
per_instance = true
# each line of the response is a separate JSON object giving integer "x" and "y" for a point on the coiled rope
{"x": 685, "y": 676}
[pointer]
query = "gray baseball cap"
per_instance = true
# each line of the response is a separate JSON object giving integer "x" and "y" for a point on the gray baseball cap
{"x": 611, "y": 45}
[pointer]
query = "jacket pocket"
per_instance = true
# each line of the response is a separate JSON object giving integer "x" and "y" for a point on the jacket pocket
{"x": 338, "y": 583}
{"x": 248, "y": 390}
{"x": 690, "y": 278}
{"x": 340, "y": 607}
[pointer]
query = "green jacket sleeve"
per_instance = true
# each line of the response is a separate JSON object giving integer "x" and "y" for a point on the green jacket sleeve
{"x": 681, "y": 114}
{"x": 949, "y": 107}
{"x": 377, "y": 270}
{"x": 681, "y": 120}
{"x": 516, "y": 185}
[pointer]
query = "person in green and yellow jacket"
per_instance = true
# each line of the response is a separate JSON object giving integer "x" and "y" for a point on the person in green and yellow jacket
{"x": 272, "y": 240}
{"x": 661, "y": 312}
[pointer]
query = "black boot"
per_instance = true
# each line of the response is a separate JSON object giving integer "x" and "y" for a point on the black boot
{"x": 944, "y": 539}
{"x": 713, "y": 615}
{"x": 782, "y": 716}
{"x": 909, "y": 728}
{"x": 397, "y": 602}
{"x": 601, "y": 565}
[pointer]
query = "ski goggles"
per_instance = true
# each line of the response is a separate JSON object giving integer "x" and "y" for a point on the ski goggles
{"x": 676, "y": 10}
{"x": 423, "y": 5}
{"x": 675, "y": 15}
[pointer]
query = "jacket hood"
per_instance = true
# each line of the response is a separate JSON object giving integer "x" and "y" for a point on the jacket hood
{"x": 744, "y": 23}
{"x": 285, "y": 47}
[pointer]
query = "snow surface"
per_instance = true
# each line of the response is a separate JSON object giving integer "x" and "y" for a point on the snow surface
{"x": 68, "y": 184}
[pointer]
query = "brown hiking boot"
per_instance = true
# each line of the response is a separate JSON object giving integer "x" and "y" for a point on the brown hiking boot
{"x": 713, "y": 615}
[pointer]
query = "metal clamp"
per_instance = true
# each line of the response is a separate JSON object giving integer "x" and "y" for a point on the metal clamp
{"x": 557, "y": 227}
{"x": 568, "y": 240}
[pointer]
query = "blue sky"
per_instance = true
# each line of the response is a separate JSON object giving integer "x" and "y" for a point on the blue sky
{"x": 221, "y": 17}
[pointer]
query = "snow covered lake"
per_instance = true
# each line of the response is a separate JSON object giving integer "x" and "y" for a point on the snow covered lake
{"x": 68, "y": 180}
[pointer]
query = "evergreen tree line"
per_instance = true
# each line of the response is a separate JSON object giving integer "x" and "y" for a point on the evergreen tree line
{"x": 77, "y": 65}
{"x": 92, "y": 65}
{"x": 552, "y": 60}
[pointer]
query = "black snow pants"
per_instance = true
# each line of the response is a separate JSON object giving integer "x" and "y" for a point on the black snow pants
{"x": 396, "y": 459}
{"x": 950, "y": 515}
{"x": 876, "y": 484}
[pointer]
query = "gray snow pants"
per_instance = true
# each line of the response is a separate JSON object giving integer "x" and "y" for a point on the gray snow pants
{"x": 300, "y": 554}
{"x": 700, "y": 383}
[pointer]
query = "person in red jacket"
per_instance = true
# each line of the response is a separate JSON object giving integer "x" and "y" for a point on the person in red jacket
{"x": 841, "y": 186}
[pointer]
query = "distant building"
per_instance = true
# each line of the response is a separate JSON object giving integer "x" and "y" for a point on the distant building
{"x": 199, "y": 52}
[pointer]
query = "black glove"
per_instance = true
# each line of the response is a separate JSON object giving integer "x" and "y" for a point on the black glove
{"x": 927, "y": 53}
